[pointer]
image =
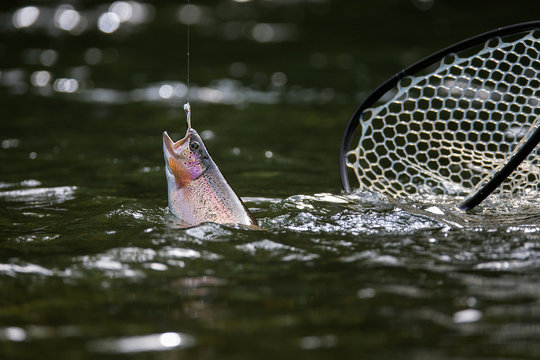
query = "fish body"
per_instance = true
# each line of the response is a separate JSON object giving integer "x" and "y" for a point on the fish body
{"x": 197, "y": 190}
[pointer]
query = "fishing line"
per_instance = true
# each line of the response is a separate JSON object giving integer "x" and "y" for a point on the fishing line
{"x": 188, "y": 23}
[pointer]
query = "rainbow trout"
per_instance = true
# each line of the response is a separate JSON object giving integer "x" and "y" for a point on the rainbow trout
{"x": 198, "y": 192}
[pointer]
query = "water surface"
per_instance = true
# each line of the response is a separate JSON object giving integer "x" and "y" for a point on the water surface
{"x": 92, "y": 265}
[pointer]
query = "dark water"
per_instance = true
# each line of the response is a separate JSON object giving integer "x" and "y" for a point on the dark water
{"x": 93, "y": 266}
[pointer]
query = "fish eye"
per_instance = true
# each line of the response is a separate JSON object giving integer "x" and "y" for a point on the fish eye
{"x": 193, "y": 145}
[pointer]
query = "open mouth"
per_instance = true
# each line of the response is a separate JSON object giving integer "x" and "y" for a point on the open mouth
{"x": 170, "y": 145}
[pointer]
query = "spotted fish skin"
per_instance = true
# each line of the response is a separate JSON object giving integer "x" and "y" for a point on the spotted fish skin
{"x": 197, "y": 190}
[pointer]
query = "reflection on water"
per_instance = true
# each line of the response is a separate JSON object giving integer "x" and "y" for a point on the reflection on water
{"x": 322, "y": 258}
{"x": 25, "y": 17}
{"x": 67, "y": 18}
{"x": 81, "y": 22}
{"x": 39, "y": 196}
{"x": 92, "y": 265}
{"x": 135, "y": 344}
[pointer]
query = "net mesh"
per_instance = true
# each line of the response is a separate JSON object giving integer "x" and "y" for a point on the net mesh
{"x": 447, "y": 131}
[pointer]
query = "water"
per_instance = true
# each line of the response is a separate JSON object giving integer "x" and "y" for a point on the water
{"x": 92, "y": 265}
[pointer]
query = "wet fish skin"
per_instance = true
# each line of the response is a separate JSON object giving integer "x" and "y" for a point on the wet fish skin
{"x": 197, "y": 190}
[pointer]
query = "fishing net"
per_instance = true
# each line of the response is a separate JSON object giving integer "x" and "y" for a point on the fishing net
{"x": 449, "y": 128}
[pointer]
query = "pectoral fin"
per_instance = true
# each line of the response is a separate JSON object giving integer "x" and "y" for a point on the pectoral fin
{"x": 181, "y": 174}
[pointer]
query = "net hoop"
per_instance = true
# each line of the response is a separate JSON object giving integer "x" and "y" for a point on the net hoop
{"x": 411, "y": 71}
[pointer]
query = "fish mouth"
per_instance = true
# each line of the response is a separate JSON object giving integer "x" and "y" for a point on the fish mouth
{"x": 171, "y": 152}
{"x": 170, "y": 146}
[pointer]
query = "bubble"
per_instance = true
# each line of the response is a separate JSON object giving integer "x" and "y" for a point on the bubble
{"x": 467, "y": 316}
{"x": 66, "y": 85}
{"x": 158, "y": 266}
{"x": 40, "y": 78}
{"x": 207, "y": 134}
{"x": 471, "y": 301}
{"x": 170, "y": 339}
{"x": 279, "y": 79}
{"x": 123, "y": 9}
{"x": 140, "y": 12}
{"x": 66, "y": 18}
{"x": 263, "y": 32}
{"x": 142, "y": 343}
{"x": 10, "y": 143}
{"x": 268, "y": 154}
{"x": 315, "y": 342}
{"x": 366, "y": 293}
{"x": 25, "y": 17}
{"x": 180, "y": 90}
{"x": 93, "y": 56}
{"x": 108, "y": 22}
{"x": 15, "y": 334}
{"x": 190, "y": 14}
{"x": 48, "y": 57}
{"x": 165, "y": 91}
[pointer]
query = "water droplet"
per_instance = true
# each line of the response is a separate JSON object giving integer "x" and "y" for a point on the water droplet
{"x": 467, "y": 316}
{"x": 66, "y": 18}
{"x": 25, "y": 17}
{"x": 263, "y": 32}
{"x": 66, "y": 85}
{"x": 40, "y": 78}
{"x": 165, "y": 91}
{"x": 108, "y": 22}
{"x": 123, "y": 9}
{"x": 207, "y": 134}
{"x": 48, "y": 57}
{"x": 170, "y": 339}
{"x": 158, "y": 266}
{"x": 190, "y": 14}
{"x": 366, "y": 293}
{"x": 279, "y": 79}
{"x": 10, "y": 143}
{"x": 15, "y": 334}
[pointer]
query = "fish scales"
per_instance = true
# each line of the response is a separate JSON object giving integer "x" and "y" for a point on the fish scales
{"x": 206, "y": 199}
{"x": 197, "y": 190}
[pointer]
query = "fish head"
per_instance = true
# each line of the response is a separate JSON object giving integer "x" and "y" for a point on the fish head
{"x": 186, "y": 159}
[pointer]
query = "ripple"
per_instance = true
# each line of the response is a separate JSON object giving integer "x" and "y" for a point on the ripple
{"x": 507, "y": 265}
{"x": 467, "y": 316}
{"x": 272, "y": 248}
{"x": 15, "y": 269}
{"x": 37, "y": 196}
{"x": 114, "y": 263}
{"x": 142, "y": 343}
{"x": 327, "y": 213}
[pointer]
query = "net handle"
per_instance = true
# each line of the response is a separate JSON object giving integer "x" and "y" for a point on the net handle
{"x": 411, "y": 70}
{"x": 502, "y": 174}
